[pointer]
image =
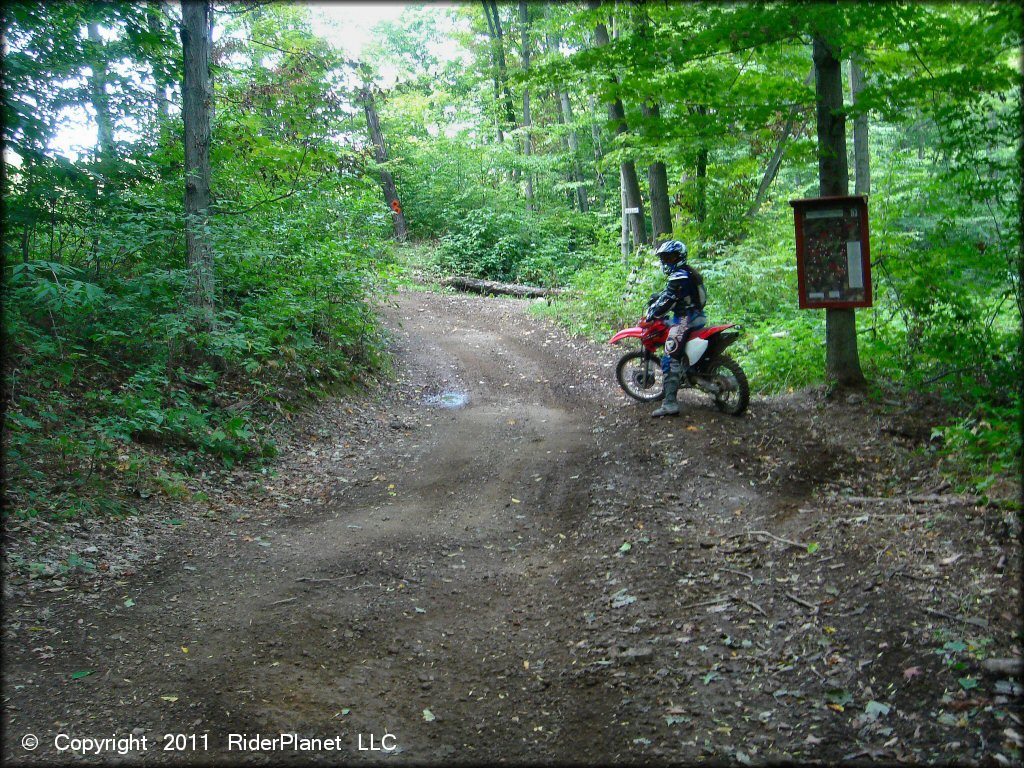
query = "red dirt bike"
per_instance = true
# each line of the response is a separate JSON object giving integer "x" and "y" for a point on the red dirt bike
{"x": 641, "y": 376}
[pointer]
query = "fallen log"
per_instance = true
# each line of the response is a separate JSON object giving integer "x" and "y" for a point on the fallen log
{"x": 492, "y": 288}
{"x": 931, "y": 498}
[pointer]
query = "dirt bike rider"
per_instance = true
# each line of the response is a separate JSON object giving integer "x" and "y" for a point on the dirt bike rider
{"x": 680, "y": 297}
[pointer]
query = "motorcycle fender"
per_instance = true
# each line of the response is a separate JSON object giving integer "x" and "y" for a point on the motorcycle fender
{"x": 627, "y": 333}
{"x": 695, "y": 347}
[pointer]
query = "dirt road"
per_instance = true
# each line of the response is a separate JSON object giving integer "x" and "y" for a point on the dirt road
{"x": 502, "y": 559}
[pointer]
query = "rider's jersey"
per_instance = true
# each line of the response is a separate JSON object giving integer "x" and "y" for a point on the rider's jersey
{"x": 677, "y": 297}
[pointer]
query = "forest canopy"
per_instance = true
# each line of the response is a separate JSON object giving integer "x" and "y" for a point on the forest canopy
{"x": 150, "y": 330}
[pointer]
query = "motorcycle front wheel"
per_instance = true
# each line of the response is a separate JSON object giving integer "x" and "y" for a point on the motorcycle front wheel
{"x": 729, "y": 385}
{"x": 640, "y": 376}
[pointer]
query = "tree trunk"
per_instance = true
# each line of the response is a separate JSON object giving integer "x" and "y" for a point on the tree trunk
{"x": 776, "y": 160}
{"x": 595, "y": 136}
{"x": 842, "y": 362}
{"x": 497, "y": 79}
{"x": 576, "y": 175}
{"x": 702, "y": 184}
{"x": 162, "y": 97}
{"x": 657, "y": 182}
{"x": 565, "y": 118}
{"x": 861, "y": 151}
{"x": 196, "y": 103}
{"x": 624, "y": 230}
{"x": 630, "y": 182}
{"x": 492, "y": 288}
{"x": 98, "y": 95}
{"x": 657, "y": 176}
{"x": 387, "y": 181}
{"x": 524, "y": 20}
{"x": 498, "y": 47}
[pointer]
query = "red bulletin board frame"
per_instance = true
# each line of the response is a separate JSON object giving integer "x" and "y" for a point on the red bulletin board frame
{"x": 833, "y": 256}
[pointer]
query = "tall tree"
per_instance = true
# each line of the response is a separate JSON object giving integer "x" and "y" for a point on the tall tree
{"x": 502, "y": 92}
{"x": 842, "y": 362}
{"x": 617, "y": 117}
{"x": 197, "y": 99}
{"x": 155, "y": 26}
{"x": 565, "y": 118}
{"x": 595, "y": 137}
{"x": 657, "y": 182}
{"x": 861, "y": 151}
{"x": 98, "y": 94}
{"x": 576, "y": 174}
{"x": 524, "y": 21}
{"x": 657, "y": 174}
{"x": 387, "y": 181}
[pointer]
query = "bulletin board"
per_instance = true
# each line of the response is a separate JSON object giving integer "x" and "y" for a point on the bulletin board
{"x": 833, "y": 257}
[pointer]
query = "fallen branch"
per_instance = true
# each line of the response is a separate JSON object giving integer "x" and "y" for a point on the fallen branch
{"x": 964, "y": 619}
{"x": 751, "y": 603}
{"x": 739, "y": 573}
{"x": 311, "y": 580}
{"x": 716, "y": 601}
{"x": 796, "y": 544}
{"x": 804, "y": 603}
{"x": 490, "y": 287}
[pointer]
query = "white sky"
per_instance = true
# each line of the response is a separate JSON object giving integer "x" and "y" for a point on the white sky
{"x": 347, "y": 24}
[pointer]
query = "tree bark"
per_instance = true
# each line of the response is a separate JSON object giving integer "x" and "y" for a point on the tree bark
{"x": 861, "y": 150}
{"x": 657, "y": 175}
{"x": 624, "y": 229}
{"x": 630, "y": 182}
{"x": 498, "y": 47}
{"x": 524, "y": 20}
{"x": 576, "y": 175}
{"x": 497, "y": 79}
{"x": 162, "y": 98}
{"x": 98, "y": 95}
{"x": 196, "y": 102}
{"x": 595, "y": 136}
{"x": 380, "y": 153}
{"x": 702, "y": 184}
{"x": 657, "y": 182}
{"x": 842, "y": 362}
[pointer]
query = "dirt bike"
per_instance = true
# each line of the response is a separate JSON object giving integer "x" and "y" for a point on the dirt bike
{"x": 641, "y": 376}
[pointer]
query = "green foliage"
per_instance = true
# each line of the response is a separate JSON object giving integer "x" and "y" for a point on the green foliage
{"x": 605, "y": 296}
{"x": 529, "y": 248}
{"x": 984, "y": 448}
{"x": 114, "y": 388}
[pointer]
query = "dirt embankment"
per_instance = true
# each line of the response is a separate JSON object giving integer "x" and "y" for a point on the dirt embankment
{"x": 503, "y": 559}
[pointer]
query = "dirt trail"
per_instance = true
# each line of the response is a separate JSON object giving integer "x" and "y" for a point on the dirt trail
{"x": 504, "y": 560}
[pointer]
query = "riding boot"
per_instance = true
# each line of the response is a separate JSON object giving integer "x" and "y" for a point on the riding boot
{"x": 669, "y": 406}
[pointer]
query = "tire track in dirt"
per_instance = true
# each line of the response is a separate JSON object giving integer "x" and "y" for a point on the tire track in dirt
{"x": 543, "y": 574}
{"x": 436, "y": 587}
{"x": 474, "y": 535}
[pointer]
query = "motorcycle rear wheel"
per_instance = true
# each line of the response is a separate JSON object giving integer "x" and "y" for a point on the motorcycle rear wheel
{"x": 732, "y": 393}
{"x": 640, "y": 376}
